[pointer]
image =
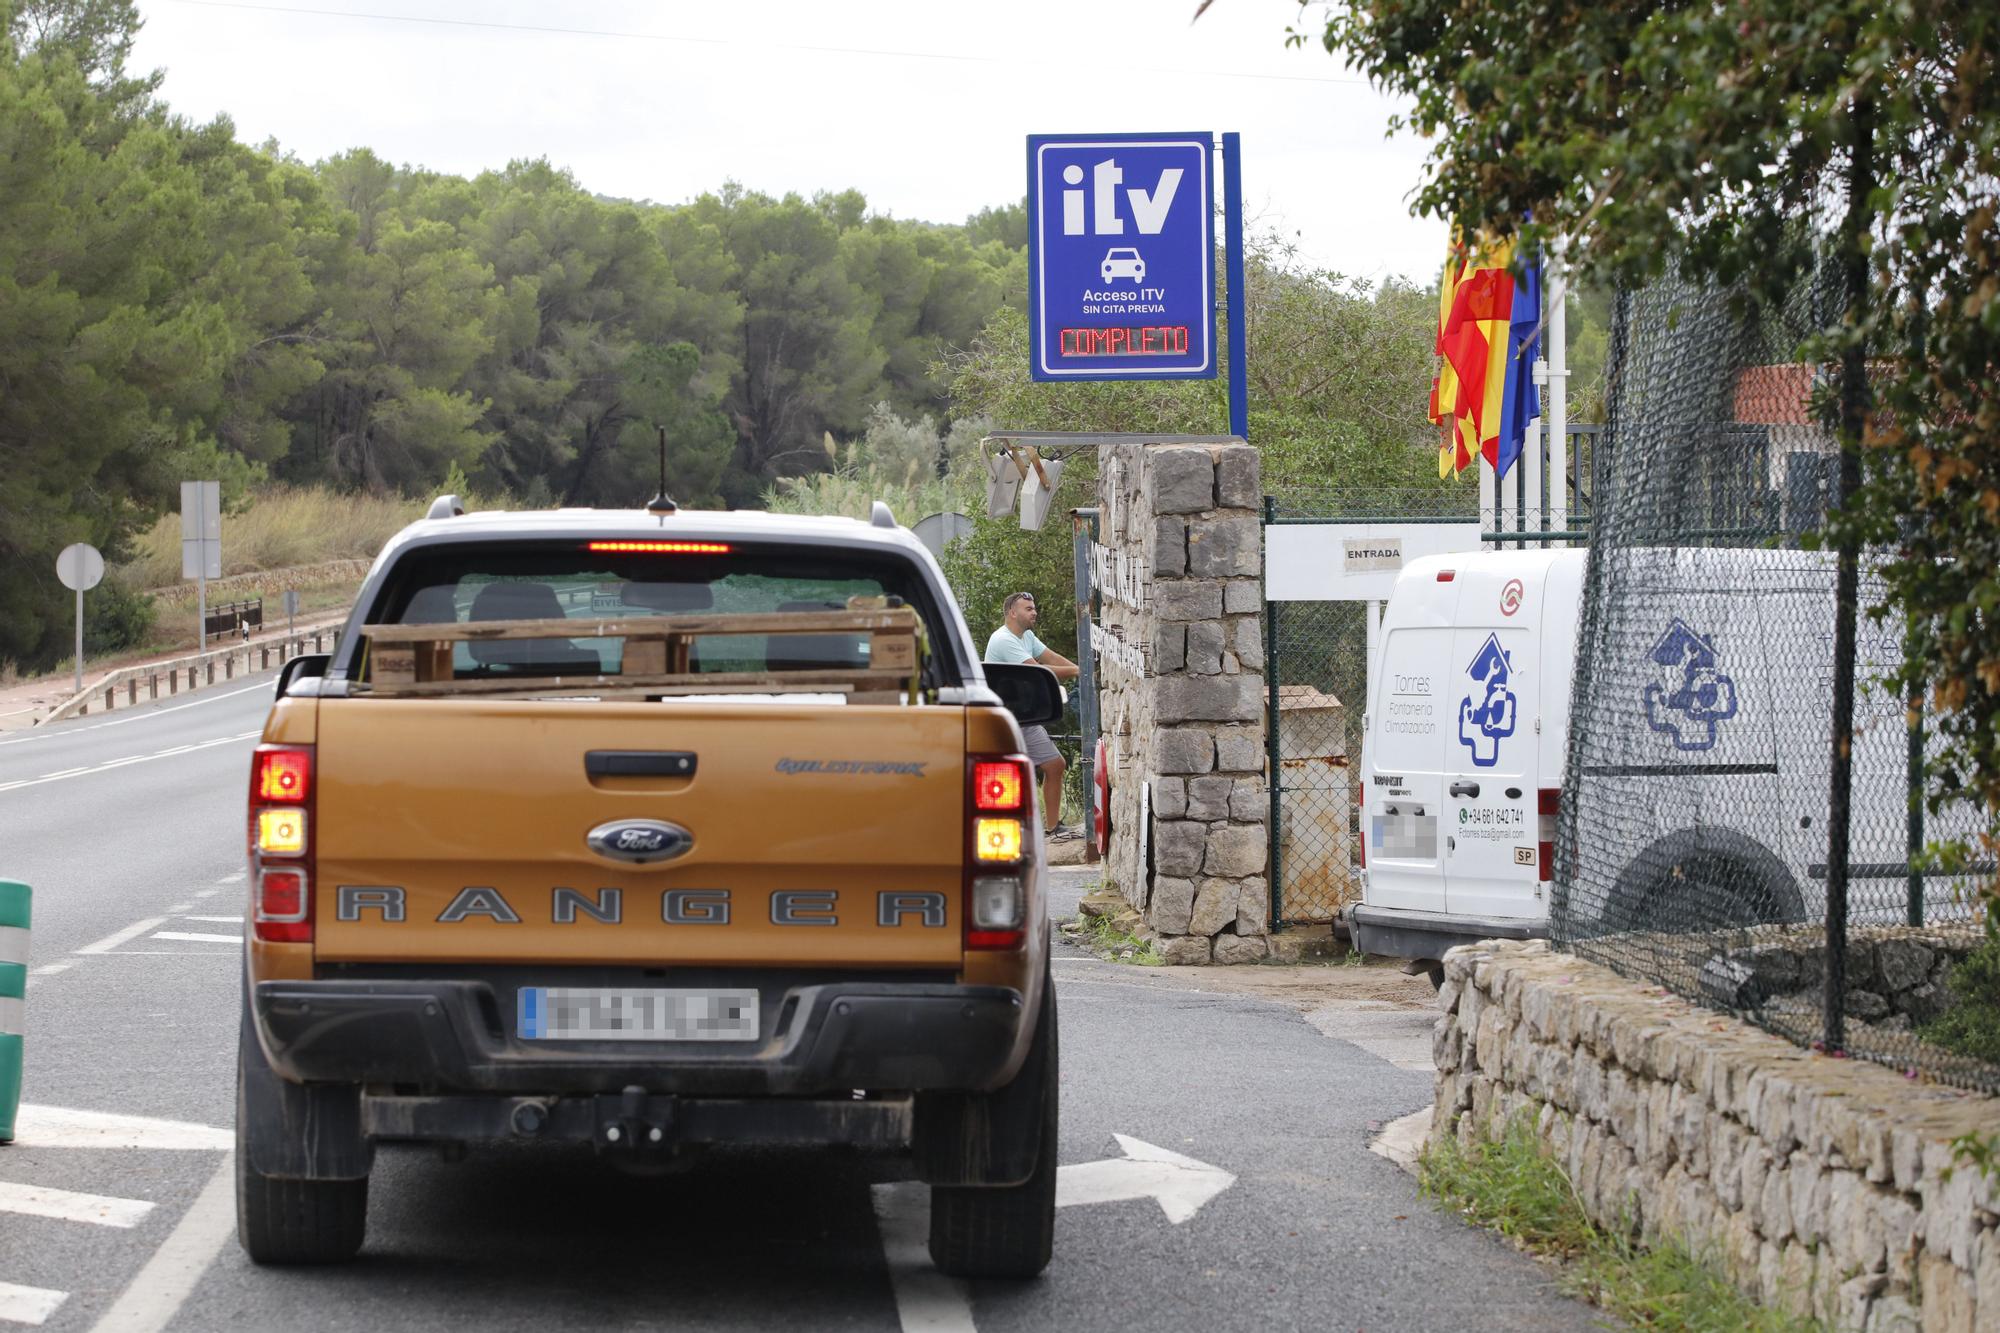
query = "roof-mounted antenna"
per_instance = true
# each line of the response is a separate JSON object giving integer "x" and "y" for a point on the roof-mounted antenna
{"x": 662, "y": 506}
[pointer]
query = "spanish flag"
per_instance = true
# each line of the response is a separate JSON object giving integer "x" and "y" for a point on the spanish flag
{"x": 1483, "y": 395}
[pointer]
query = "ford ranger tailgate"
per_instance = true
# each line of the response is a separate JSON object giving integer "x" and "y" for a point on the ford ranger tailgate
{"x": 518, "y": 830}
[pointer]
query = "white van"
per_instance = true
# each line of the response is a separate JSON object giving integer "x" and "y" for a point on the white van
{"x": 1707, "y": 793}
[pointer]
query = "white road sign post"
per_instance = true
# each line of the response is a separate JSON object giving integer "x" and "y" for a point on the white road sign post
{"x": 80, "y": 567}
{"x": 201, "y": 545}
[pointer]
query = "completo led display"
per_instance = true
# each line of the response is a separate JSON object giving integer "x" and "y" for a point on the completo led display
{"x": 1141, "y": 340}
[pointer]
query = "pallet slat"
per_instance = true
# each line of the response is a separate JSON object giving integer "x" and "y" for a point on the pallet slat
{"x": 415, "y": 661}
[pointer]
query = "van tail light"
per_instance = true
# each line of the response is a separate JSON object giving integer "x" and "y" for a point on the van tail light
{"x": 999, "y": 803}
{"x": 1447, "y": 575}
{"x": 282, "y": 801}
{"x": 1548, "y": 804}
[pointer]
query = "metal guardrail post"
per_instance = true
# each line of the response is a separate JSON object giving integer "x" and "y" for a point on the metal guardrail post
{"x": 15, "y": 899}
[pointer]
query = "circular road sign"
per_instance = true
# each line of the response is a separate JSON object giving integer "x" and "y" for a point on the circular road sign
{"x": 80, "y": 566}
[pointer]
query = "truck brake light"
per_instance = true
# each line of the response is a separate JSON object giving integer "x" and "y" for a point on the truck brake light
{"x": 281, "y": 775}
{"x": 999, "y": 784}
{"x": 999, "y": 802}
{"x": 659, "y": 548}
{"x": 281, "y": 847}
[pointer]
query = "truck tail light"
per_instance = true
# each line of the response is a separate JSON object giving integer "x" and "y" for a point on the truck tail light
{"x": 999, "y": 803}
{"x": 1548, "y": 805}
{"x": 281, "y": 847}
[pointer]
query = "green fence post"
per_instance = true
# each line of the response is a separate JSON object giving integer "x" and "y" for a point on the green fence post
{"x": 14, "y": 899}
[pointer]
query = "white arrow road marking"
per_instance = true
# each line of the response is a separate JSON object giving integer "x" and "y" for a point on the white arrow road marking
{"x": 29, "y": 1305}
{"x": 118, "y": 937}
{"x": 926, "y": 1300}
{"x": 164, "y": 1284}
{"x": 43, "y": 1201}
{"x": 1180, "y": 1184}
{"x": 61, "y": 1127}
{"x": 196, "y": 937}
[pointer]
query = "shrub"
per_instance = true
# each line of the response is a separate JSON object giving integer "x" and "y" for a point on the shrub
{"x": 115, "y": 617}
{"x": 1972, "y": 1026}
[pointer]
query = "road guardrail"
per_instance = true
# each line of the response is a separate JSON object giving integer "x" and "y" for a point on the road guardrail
{"x": 192, "y": 672}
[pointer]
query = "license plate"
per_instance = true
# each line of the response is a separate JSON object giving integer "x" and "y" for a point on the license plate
{"x": 607, "y": 1013}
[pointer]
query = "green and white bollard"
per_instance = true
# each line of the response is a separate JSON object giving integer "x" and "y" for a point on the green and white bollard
{"x": 14, "y": 899}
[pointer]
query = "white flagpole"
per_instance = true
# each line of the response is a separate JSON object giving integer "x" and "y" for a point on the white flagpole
{"x": 1556, "y": 341}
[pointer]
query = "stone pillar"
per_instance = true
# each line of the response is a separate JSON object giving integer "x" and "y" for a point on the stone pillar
{"x": 1183, "y": 698}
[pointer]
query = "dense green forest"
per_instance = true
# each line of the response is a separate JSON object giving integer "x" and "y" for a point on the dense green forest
{"x": 176, "y": 304}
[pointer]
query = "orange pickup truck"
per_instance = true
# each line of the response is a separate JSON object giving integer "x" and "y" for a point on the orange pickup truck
{"x": 656, "y": 833}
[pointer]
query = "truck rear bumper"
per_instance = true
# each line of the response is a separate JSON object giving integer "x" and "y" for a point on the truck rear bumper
{"x": 458, "y": 1036}
{"x": 1395, "y": 933}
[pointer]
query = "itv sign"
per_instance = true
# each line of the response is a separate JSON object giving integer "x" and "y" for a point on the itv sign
{"x": 1121, "y": 256}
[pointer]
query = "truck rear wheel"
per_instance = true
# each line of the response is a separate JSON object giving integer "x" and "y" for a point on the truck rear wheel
{"x": 1006, "y": 1230}
{"x": 280, "y": 1220}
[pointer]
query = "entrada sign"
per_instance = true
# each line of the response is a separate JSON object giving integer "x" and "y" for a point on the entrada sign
{"x": 1121, "y": 256}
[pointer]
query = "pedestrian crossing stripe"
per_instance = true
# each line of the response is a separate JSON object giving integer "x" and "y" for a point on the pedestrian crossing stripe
{"x": 69, "y": 1206}
{"x": 29, "y": 1305}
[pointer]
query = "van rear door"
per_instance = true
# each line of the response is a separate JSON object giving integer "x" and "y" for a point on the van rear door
{"x": 1491, "y": 687}
{"x": 1404, "y": 773}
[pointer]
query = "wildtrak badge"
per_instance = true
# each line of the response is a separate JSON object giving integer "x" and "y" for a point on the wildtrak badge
{"x": 855, "y": 767}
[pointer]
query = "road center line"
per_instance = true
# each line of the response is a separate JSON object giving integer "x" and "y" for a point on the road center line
{"x": 118, "y": 937}
{"x": 926, "y": 1300}
{"x": 220, "y": 920}
{"x": 29, "y": 1305}
{"x": 45, "y": 1201}
{"x": 127, "y": 761}
{"x": 169, "y": 1277}
{"x": 195, "y": 937}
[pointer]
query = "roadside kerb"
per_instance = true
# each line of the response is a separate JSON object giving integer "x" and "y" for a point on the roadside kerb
{"x": 192, "y": 672}
{"x": 14, "y": 902}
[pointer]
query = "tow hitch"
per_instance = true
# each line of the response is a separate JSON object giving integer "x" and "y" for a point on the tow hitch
{"x": 633, "y": 1120}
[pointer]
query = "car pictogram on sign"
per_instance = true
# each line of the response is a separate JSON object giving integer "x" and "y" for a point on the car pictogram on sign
{"x": 1123, "y": 261}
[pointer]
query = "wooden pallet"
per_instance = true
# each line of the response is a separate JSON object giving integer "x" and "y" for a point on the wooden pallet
{"x": 415, "y": 661}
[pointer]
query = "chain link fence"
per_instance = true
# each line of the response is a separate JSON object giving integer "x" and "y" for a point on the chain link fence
{"x": 1702, "y": 801}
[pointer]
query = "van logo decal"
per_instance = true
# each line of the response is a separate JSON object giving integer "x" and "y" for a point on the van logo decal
{"x": 1510, "y": 597}
{"x": 1690, "y": 694}
{"x": 1483, "y": 725}
{"x": 639, "y": 841}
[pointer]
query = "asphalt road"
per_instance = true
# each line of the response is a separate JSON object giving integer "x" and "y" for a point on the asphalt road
{"x": 116, "y": 1208}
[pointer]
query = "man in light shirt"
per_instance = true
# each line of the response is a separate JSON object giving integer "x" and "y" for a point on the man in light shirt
{"x": 1015, "y": 641}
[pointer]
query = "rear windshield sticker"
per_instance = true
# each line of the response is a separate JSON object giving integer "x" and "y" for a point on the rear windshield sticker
{"x": 1482, "y": 726}
{"x": 1690, "y": 695}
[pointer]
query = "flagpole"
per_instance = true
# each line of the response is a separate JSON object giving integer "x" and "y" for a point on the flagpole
{"x": 1557, "y": 344}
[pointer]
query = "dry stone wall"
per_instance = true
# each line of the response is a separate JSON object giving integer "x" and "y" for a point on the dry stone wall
{"x": 1824, "y": 1187}
{"x": 1182, "y": 697}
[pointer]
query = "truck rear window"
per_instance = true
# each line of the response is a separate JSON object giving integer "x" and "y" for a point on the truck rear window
{"x": 564, "y": 580}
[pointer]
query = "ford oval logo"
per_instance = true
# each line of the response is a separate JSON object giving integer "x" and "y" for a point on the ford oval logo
{"x": 640, "y": 841}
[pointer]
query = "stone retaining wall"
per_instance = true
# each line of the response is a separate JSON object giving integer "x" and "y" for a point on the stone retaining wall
{"x": 1821, "y": 1186}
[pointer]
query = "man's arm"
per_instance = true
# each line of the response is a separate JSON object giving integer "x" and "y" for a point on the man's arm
{"x": 1056, "y": 662}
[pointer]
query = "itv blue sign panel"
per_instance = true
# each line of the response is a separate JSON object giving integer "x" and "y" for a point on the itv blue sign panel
{"x": 1121, "y": 256}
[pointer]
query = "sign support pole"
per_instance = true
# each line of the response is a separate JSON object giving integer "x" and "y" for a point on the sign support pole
{"x": 79, "y": 641}
{"x": 1232, "y": 242}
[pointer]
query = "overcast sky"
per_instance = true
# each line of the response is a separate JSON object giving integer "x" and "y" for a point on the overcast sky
{"x": 923, "y": 105}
